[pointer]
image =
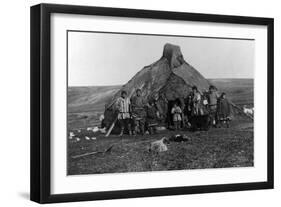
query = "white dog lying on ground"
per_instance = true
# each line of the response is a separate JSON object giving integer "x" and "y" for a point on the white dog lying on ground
{"x": 159, "y": 145}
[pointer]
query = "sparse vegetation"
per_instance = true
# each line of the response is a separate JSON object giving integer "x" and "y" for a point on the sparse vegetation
{"x": 216, "y": 148}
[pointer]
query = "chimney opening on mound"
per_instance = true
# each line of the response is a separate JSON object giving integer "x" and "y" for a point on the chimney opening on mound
{"x": 173, "y": 55}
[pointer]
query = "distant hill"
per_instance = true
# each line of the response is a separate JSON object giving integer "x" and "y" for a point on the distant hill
{"x": 90, "y": 101}
{"x": 83, "y": 99}
{"x": 239, "y": 91}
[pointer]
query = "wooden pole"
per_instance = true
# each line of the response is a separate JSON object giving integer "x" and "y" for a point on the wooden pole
{"x": 111, "y": 127}
{"x": 114, "y": 122}
{"x": 92, "y": 153}
{"x": 235, "y": 106}
{"x": 85, "y": 154}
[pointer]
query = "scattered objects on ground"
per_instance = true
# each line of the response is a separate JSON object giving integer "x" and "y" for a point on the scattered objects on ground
{"x": 179, "y": 138}
{"x": 160, "y": 128}
{"x": 95, "y": 129}
{"x": 103, "y": 130}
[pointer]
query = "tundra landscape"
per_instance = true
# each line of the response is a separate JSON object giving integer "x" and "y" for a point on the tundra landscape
{"x": 215, "y": 148}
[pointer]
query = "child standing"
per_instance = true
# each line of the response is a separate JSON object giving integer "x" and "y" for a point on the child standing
{"x": 224, "y": 110}
{"x": 176, "y": 112}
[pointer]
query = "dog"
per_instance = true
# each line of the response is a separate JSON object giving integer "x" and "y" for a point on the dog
{"x": 159, "y": 145}
{"x": 249, "y": 111}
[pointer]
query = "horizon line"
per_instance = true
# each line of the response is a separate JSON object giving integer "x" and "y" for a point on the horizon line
{"x": 125, "y": 83}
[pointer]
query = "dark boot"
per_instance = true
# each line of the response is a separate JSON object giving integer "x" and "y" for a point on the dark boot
{"x": 176, "y": 125}
{"x": 142, "y": 129}
{"x": 155, "y": 130}
{"x": 227, "y": 124}
{"x": 135, "y": 131}
{"x": 150, "y": 130}
{"x": 129, "y": 129}
{"x": 122, "y": 132}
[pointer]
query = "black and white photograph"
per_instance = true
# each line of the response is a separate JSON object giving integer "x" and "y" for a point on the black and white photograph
{"x": 156, "y": 102}
{"x": 131, "y": 103}
{"x": 140, "y": 103}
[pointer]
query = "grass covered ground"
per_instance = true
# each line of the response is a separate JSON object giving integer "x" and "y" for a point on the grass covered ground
{"x": 216, "y": 148}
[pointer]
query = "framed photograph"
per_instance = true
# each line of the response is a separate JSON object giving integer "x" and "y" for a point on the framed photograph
{"x": 132, "y": 103}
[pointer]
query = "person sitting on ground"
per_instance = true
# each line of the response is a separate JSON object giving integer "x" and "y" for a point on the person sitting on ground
{"x": 176, "y": 112}
{"x": 152, "y": 116}
{"x": 123, "y": 106}
{"x": 224, "y": 110}
{"x": 138, "y": 112}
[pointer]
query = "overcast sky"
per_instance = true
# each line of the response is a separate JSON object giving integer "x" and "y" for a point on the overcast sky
{"x": 113, "y": 59}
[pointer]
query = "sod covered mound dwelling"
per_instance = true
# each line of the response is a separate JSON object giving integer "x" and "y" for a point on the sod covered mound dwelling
{"x": 167, "y": 80}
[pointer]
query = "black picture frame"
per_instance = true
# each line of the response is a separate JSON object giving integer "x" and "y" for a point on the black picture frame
{"x": 41, "y": 97}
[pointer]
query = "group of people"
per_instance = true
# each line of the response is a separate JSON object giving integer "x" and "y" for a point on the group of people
{"x": 217, "y": 107}
{"x": 138, "y": 115}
